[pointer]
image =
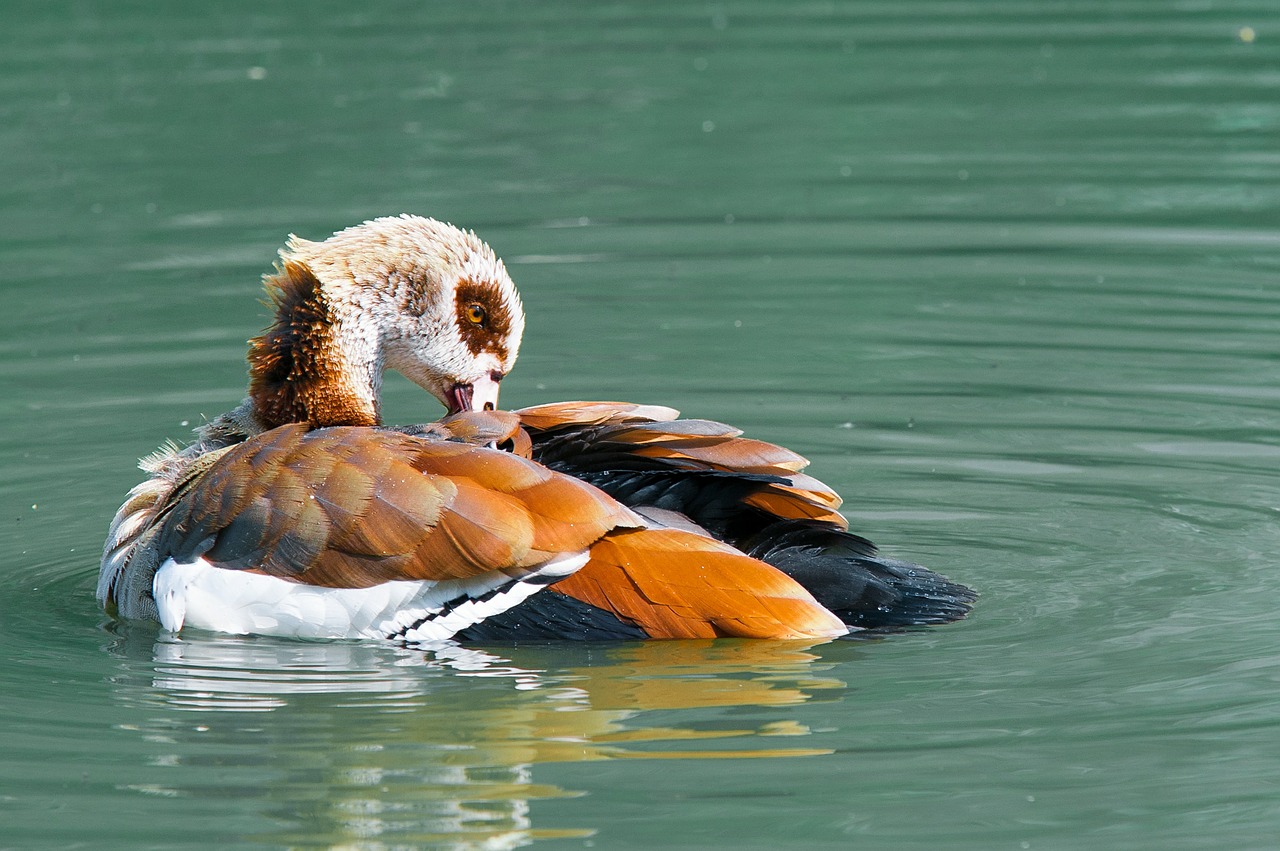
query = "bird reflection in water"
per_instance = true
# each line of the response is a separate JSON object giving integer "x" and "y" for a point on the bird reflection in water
{"x": 371, "y": 743}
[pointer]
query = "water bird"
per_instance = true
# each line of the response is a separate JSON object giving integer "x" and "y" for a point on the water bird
{"x": 299, "y": 513}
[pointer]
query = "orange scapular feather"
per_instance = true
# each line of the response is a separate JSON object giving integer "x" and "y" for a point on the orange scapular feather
{"x": 676, "y": 584}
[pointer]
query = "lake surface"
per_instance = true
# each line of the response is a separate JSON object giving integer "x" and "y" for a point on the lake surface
{"x": 1006, "y": 272}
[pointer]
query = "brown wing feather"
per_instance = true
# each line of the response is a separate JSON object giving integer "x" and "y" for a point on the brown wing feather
{"x": 563, "y": 414}
{"x": 676, "y": 584}
{"x": 621, "y": 430}
{"x": 353, "y": 507}
{"x": 787, "y": 503}
{"x": 736, "y": 453}
{"x": 481, "y": 530}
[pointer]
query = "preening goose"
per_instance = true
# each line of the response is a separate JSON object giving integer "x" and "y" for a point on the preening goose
{"x": 300, "y": 514}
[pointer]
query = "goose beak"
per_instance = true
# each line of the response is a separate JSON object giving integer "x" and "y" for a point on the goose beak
{"x": 480, "y": 395}
{"x": 484, "y": 393}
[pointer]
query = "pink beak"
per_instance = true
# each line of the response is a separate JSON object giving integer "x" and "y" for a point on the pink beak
{"x": 480, "y": 395}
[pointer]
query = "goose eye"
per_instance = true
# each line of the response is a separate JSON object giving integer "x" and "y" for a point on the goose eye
{"x": 475, "y": 314}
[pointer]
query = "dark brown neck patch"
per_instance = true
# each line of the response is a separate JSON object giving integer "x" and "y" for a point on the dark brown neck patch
{"x": 494, "y": 331}
{"x": 296, "y": 370}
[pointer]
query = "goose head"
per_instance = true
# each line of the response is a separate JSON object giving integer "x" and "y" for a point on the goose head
{"x": 407, "y": 293}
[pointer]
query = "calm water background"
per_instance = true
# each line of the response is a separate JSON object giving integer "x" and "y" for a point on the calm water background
{"x": 1005, "y": 271}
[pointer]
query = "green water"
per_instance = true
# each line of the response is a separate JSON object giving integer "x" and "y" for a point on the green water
{"x": 1006, "y": 272}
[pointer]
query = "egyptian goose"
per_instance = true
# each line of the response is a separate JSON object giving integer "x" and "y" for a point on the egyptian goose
{"x": 300, "y": 514}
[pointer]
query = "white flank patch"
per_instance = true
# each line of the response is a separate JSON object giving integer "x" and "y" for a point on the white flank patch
{"x": 206, "y": 596}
